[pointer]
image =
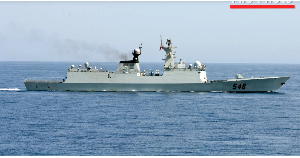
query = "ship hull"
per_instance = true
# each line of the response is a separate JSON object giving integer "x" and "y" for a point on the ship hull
{"x": 233, "y": 85}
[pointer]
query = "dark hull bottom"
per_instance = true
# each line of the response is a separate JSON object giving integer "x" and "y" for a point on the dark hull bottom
{"x": 243, "y": 86}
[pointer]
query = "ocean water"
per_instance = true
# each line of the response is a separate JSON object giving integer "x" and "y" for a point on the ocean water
{"x": 148, "y": 123}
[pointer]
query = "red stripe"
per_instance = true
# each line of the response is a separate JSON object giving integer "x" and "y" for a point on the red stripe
{"x": 262, "y": 6}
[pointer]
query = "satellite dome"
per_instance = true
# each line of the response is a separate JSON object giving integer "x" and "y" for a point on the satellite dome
{"x": 86, "y": 64}
{"x": 137, "y": 51}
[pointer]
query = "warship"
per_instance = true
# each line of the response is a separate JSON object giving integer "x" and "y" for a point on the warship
{"x": 176, "y": 77}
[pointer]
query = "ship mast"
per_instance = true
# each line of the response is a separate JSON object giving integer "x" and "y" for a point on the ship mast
{"x": 169, "y": 57}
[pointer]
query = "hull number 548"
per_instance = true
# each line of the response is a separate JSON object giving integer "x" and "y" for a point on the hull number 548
{"x": 239, "y": 86}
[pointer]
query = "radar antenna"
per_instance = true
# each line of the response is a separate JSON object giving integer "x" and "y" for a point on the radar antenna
{"x": 169, "y": 42}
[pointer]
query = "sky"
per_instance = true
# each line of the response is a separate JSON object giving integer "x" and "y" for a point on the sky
{"x": 209, "y": 32}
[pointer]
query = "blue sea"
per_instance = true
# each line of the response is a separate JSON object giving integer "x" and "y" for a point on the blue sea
{"x": 148, "y": 123}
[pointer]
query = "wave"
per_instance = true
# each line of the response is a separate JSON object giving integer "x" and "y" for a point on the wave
{"x": 9, "y": 89}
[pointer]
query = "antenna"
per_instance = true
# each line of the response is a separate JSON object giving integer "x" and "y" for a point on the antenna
{"x": 141, "y": 48}
{"x": 161, "y": 41}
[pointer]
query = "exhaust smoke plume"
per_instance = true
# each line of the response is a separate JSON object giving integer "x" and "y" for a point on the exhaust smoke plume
{"x": 18, "y": 44}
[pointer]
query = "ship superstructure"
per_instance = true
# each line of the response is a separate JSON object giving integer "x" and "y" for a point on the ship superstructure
{"x": 176, "y": 77}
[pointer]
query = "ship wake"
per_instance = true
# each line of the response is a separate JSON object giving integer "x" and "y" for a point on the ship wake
{"x": 9, "y": 89}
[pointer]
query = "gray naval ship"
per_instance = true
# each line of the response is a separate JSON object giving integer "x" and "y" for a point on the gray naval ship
{"x": 176, "y": 77}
